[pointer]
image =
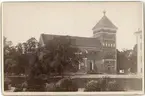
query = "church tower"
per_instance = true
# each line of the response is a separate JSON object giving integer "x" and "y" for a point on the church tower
{"x": 105, "y": 31}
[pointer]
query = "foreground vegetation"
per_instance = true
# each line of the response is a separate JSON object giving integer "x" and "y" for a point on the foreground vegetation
{"x": 68, "y": 84}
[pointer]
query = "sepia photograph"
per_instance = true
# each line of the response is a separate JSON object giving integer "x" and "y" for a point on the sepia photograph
{"x": 79, "y": 47}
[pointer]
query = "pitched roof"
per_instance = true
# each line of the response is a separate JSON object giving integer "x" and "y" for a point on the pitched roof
{"x": 75, "y": 41}
{"x": 105, "y": 23}
{"x": 85, "y": 42}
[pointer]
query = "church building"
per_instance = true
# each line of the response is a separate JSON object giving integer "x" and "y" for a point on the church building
{"x": 100, "y": 49}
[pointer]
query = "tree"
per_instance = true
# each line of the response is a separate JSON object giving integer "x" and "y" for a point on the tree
{"x": 27, "y": 51}
{"x": 31, "y": 45}
{"x": 127, "y": 59}
{"x": 19, "y": 55}
{"x": 57, "y": 57}
{"x": 7, "y": 48}
{"x": 61, "y": 55}
{"x": 122, "y": 61}
{"x": 133, "y": 63}
{"x": 133, "y": 60}
{"x": 9, "y": 61}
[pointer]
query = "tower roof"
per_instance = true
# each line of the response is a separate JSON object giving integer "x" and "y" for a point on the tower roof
{"x": 104, "y": 23}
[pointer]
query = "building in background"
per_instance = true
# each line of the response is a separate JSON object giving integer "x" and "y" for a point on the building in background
{"x": 139, "y": 51}
{"x": 100, "y": 49}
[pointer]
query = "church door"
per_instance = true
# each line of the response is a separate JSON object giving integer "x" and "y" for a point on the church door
{"x": 91, "y": 66}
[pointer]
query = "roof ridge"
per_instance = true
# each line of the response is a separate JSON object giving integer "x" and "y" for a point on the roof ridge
{"x": 77, "y": 41}
{"x": 65, "y": 35}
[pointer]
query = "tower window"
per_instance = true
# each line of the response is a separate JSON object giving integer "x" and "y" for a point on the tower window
{"x": 111, "y": 45}
{"x": 106, "y": 44}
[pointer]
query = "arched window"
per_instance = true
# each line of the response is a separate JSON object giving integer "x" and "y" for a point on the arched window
{"x": 108, "y": 45}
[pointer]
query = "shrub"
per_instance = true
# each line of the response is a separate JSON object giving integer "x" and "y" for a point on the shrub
{"x": 115, "y": 86}
{"x": 92, "y": 85}
{"x": 7, "y": 83}
{"x": 35, "y": 84}
{"x": 103, "y": 84}
{"x": 50, "y": 87}
{"x": 98, "y": 85}
{"x": 109, "y": 84}
{"x": 66, "y": 84}
{"x": 18, "y": 89}
{"x": 21, "y": 87}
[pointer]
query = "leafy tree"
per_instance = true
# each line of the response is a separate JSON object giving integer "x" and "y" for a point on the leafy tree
{"x": 19, "y": 55}
{"x": 133, "y": 63}
{"x": 55, "y": 58}
{"x": 60, "y": 56}
{"x": 9, "y": 65}
{"x": 122, "y": 61}
{"x": 7, "y": 47}
{"x": 28, "y": 51}
{"x": 133, "y": 60}
{"x": 31, "y": 45}
{"x": 127, "y": 59}
{"x": 9, "y": 61}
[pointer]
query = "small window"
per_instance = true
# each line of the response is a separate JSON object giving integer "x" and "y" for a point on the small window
{"x": 121, "y": 71}
{"x": 140, "y": 36}
{"x": 106, "y": 44}
{"x": 140, "y": 46}
{"x": 141, "y": 59}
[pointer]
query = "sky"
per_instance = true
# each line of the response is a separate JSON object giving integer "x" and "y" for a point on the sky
{"x": 22, "y": 21}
